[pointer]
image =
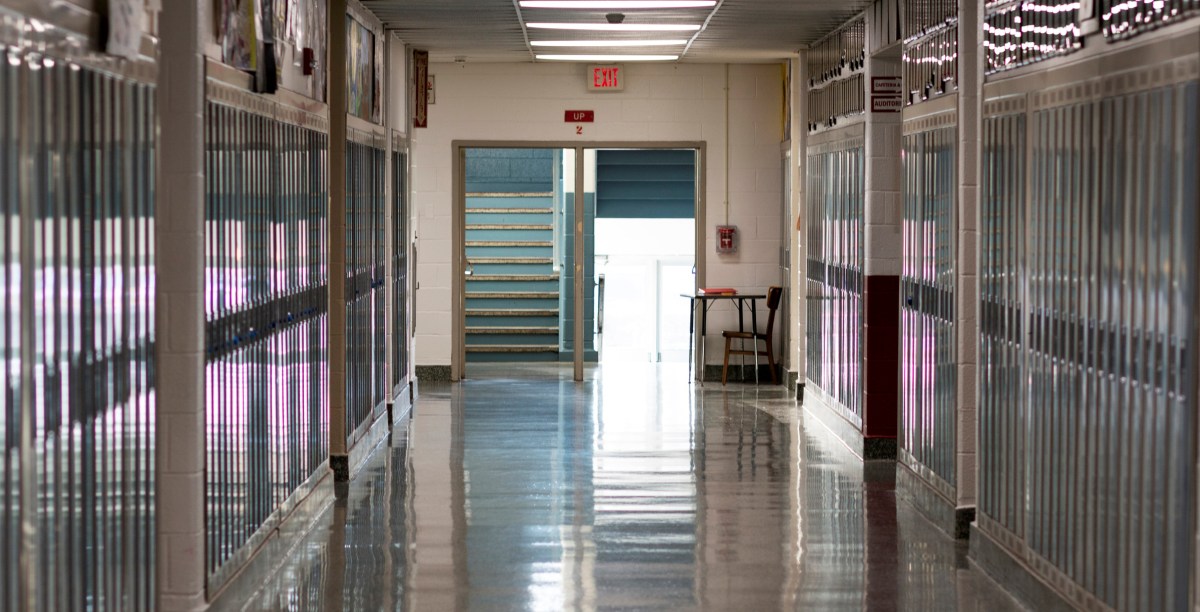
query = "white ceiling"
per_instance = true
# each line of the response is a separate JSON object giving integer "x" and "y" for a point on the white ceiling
{"x": 493, "y": 30}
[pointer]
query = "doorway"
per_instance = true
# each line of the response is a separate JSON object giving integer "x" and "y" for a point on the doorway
{"x": 515, "y": 307}
{"x": 645, "y": 252}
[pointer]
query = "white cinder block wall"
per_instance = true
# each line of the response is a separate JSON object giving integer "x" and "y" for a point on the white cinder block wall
{"x": 661, "y": 102}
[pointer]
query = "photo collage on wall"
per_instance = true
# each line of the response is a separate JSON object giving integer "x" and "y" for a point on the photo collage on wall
{"x": 363, "y": 72}
{"x": 296, "y": 25}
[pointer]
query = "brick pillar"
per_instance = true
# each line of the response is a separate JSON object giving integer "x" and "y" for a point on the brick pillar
{"x": 339, "y": 459}
{"x": 179, "y": 230}
{"x": 970, "y": 111}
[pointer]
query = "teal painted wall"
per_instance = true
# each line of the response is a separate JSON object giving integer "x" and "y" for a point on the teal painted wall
{"x": 510, "y": 170}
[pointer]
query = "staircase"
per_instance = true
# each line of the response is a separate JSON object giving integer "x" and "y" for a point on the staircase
{"x": 512, "y": 293}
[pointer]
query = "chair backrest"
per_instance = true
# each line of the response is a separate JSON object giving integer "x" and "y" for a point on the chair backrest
{"x": 774, "y": 294}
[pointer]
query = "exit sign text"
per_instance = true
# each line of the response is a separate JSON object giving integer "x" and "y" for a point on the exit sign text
{"x": 606, "y": 77}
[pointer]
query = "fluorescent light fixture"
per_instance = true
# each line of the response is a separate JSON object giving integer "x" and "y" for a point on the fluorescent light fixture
{"x": 607, "y": 43}
{"x": 608, "y": 58}
{"x": 605, "y": 5}
{"x": 617, "y": 27}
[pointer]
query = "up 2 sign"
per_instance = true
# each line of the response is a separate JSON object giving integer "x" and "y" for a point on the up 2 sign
{"x": 606, "y": 77}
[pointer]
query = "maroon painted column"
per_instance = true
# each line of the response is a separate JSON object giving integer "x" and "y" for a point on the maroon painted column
{"x": 884, "y": 206}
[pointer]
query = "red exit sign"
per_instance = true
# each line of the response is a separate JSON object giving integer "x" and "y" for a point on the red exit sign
{"x": 579, "y": 116}
{"x": 606, "y": 77}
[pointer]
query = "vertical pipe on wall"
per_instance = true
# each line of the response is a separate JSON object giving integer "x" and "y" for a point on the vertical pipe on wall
{"x": 580, "y": 217}
{"x": 180, "y": 297}
{"x": 336, "y": 321}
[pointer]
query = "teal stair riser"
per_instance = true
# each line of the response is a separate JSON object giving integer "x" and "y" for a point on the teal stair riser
{"x": 482, "y": 268}
{"x": 474, "y": 286}
{"x": 506, "y": 303}
{"x": 522, "y": 251}
{"x": 509, "y": 202}
{"x": 509, "y": 339}
{"x": 507, "y": 235}
{"x": 508, "y": 321}
{"x": 511, "y": 218}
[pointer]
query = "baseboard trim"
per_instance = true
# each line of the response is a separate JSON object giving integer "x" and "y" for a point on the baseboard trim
{"x": 932, "y": 504}
{"x": 712, "y": 373}
{"x": 433, "y": 373}
{"x": 1015, "y": 576}
{"x": 866, "y": 448}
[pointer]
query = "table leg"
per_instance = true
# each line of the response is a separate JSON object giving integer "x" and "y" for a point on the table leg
{"x": 704, "y": 304}
{"x": 691, "y": 335}
{"x": 754, "y": 330}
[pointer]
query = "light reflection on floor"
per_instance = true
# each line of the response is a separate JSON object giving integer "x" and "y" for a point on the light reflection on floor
{"x": 634, "y": 489}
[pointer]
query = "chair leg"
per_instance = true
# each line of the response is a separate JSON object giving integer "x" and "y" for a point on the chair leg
{"x": 742, "y": 359}
{"x": 755, "y": 343}
{"x": 724, "y": 368}
{"x": 771, "y": 362}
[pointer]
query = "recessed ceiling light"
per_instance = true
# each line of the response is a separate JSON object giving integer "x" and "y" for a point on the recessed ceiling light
{"x": 608, "y": 58}
{"x": 607, "y": 43}
{"x": 617, "y": 4}
{"x": 618, "y": 27}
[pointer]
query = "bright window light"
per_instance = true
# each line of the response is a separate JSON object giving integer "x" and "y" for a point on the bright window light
{"x": 617, "y": 27}
{"x": 608, "y": 58}
{"x": 607, "y": 43}
{"x": 617, "y": 4}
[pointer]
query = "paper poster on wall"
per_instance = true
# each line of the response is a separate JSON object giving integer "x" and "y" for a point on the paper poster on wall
{"x": 279, "y": 33}
{"x": 294, "y": 31}
{"x": 239, "y": 40}
{"x": 126, "y": 22}
{"x": 360, "y": 69}
{"x": 317, "y": 16}
{"x": 377, "y": 99}
{"x": 266, "y": 77}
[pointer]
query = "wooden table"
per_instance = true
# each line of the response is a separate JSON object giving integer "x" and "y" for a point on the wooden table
{"x": 706, "y": 301}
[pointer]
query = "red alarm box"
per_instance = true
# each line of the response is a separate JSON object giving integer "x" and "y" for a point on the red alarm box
{"x": 726, "y": 238}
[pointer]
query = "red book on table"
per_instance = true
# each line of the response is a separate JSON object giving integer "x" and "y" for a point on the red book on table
{"x": 718, "y": 291}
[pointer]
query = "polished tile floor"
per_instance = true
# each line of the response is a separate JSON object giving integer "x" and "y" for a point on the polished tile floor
{"x": 522, "y": 490}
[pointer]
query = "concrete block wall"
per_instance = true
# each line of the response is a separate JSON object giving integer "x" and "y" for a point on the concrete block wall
{"x": 524, "y": 103}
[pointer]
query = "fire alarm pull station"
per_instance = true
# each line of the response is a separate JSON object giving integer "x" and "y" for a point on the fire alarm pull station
{"x": 726, "y": 238}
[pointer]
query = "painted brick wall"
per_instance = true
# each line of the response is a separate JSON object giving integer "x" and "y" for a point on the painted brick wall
{"x": 684, "y": 102}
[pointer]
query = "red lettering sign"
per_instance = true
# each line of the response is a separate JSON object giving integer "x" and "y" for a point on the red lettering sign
{"x": 579, "y": 116}
{"x": 606, "y": 78}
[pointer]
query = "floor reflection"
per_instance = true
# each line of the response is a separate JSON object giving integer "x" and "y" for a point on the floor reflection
{"x": 631, "y": 490}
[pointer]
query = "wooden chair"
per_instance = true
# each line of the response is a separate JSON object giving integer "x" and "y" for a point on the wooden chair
{"x": 773, "y": 296}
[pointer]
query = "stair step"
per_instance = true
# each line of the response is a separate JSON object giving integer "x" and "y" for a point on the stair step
{"x": 513, "y": 277}
{"x": 513, "y": 330}
{"x": 518, "y": 211}
{"x": 511, "y": 260}
{"x": 512, "y": 348}
{"x": 509, "y": 243}
{"x": 509, "y": 226}
{"x": 514, "y": 295}
{"x": 510, "y": 194}
{"x": 512, "y": 312}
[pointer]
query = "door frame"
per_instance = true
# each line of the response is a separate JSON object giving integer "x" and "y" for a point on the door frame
{"x": 458, "y": 335}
